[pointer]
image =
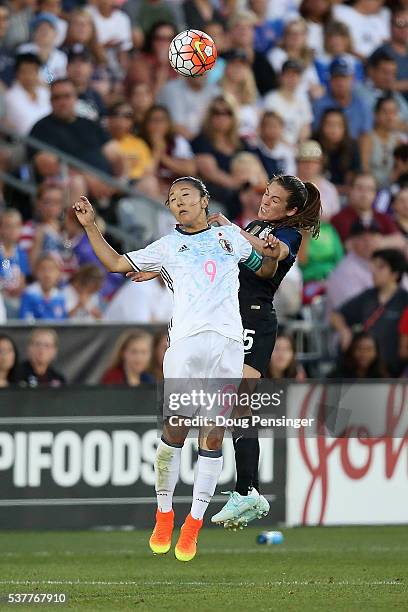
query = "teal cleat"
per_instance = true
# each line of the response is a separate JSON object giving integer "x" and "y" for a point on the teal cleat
{"x": 239, "y": 506}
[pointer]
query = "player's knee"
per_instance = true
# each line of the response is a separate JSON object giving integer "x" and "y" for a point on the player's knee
{"x": 213, "y": 439}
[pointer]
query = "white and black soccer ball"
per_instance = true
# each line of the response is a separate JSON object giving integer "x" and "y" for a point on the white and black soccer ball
{"x": 192, "y": 53}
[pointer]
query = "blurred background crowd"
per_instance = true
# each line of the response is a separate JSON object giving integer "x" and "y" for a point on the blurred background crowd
{"x": 90, "y": 105}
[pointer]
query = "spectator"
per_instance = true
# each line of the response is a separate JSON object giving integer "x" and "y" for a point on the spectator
{"x": 134, "y": 150}
{"x": 27, "y": 100}
{"x": 377, "y": 310}
{"x": 7, "y": 59}
{"x": 400, "y": 209}
{"x": 399, "y": 179}
{"x": 288, "y": 298}
{"x": 45, "y": 234}
{"x": 291, "y": 104}
{"x": 79, "y": 70}
{"x": 8, "y": 362}
{"x": 131, "y": 360}
{"x": 14, "y": 265}
{"x": 44, "y": 30}
{"x": 18, "y": 32}
{"x": 42, "y": 299}
{"x": 343, "y": 96}
{"x": 193, "y": 97}
{"x": 341, "y": 153}
{"x": 238, "y": 81}
{"x": 217, "y": 31}
{"x": 241, "y": 32}
{"x": 369, "y": 24}
{"x": 382, "y": 78}
{"x": 160, "y": 344}
{"x": 113, "y": 33}
{"x": 172, "y": 154}
{"x": 54, "y": 7}
{"x": 82, "y": 298}
{"x": 362, "y": 359}
{"x": 246, "y": 168}
{"x": 277, "y": 156}
{"x": 246, "y": 206}
{"x": 152, "y": 66}
{"x": 199, "y": 13}
{"x": 42, "y": 350}
{"x": 283, "y": 362}
{"x": 360, "y": 206}
{"x": 378, "y": 147}
{"x": 81, "y": 31}
{"x": 317, "y": 14}
{"x": 337, "y": 42}
{"x": 294, "y": 47}
{"x": 148, "y": 302}
{"x": 310, "y": 168}
{"x": 397, "y": 48}
{"x": 215, "y": 147}
{"x": 141, "y": 99}
{"x": 353, "y": 274}
{"x": 268, "y": 31}
{"x": 77, "y": 136}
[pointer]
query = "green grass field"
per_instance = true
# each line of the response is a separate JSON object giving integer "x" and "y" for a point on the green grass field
{"x": 358, "y": 568}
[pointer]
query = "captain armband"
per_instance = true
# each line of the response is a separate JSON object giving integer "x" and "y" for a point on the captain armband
{"x": 254, "y": 261}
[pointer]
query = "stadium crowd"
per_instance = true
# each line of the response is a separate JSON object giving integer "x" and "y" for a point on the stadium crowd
{"x": 316, "y": 88}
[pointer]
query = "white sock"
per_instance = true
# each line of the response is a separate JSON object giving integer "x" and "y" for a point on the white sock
{"x": 167, "y": 468}
{"x": 208, "y": 472}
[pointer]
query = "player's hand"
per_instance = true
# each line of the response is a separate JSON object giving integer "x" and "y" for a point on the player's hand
{"x": 84, "y": 212}
{"x": 271, "y": 247}
{"x": 139, "y": 277}
{"x": 218, "y": 219}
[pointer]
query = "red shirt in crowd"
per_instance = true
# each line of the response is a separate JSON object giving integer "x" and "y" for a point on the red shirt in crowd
{"x": 117, "y": 376}
{"x": 347, "y": 216}
{"x": 403, "y": 324}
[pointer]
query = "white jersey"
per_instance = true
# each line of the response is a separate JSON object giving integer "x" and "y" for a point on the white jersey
{"x": 201, "y": 270}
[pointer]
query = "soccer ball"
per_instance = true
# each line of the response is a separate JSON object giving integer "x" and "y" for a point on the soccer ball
{"x": 192, "y": 53}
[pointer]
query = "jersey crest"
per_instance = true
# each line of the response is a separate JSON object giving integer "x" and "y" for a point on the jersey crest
{"x": 226, "y": 245}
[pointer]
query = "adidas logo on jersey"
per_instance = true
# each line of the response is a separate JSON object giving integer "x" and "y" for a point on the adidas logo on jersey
{"x": 183, "y": 248}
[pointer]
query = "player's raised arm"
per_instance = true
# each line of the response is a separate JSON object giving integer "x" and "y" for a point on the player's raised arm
{"x": 112, "y": 261}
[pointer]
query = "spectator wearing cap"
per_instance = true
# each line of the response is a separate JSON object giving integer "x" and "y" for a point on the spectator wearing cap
{"x": 361, "y": 207}
{"x": 44, "y": 30}
{"x": 241, "y": 33}
{"x": 378, "y": 147}
{"x": 382, "y": 79}
{"x": 276, "y": 156}
{"x": 337, "y": 41}
{"x": 80, "y": 69}
{"x": 342, "y": 95}
{"x": 368, "y": 22}
{"x": 238, "y": 81}
{"x": 400, "y": 210}
{"x": 377, "y": 310}
{"x": 6, "y": 56}
{"x": 54, "y": 7}
{"x": 291, "y": 104}
{"x": 113, "y": 32}
{"x": 310, "y": 169}
{"x": 352, "y": 275}
{"x": 77, "y": 136}
{"x": 27, "y": 100}
{"x": 294, "y": 46}
{"x": 341, "y": 152}
{"x": 397, "y": 47}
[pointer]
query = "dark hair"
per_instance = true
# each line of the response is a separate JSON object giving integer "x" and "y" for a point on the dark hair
{"x": 348, "y": 365}
{"x": 12, "y": 376}
{"x": 292, "y": 369}
{"x": 380, "y": 55}
{"x": 148, "y": 44}
{"x": 304, "y": 10}
{"x": 197, "y": 183}
{"x": 401, "y": 152}
{"x": 144, "y": 132}
{"x": 394, "y": 258}
{"x": 344, "y": 149}
{"x": 61, "y": 81}
{"x": 388, "y": 97}
{"x": 271, "y": 115}
{"x": 115, "y": 106}
{"x": 306, "y": 198}
{"x": 26, "y": 58}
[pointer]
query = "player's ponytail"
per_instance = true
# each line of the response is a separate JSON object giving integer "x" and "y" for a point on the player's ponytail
{"x": 305, "y": 197}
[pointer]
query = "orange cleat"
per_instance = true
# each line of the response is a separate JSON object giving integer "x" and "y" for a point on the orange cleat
{"x": 186, "y": 546}
{"x": 160, "y": 540}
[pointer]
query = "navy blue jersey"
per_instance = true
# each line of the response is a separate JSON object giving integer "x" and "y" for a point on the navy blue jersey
{"x": 252, "y": 287}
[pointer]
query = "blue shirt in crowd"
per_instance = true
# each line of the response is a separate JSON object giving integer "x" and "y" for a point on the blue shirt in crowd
{"x": 11, "y": 267}
{"x": 358, "y": 114}
{"x": 34, "y": 305}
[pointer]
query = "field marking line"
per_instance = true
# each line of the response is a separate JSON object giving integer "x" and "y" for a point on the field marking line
{"x": 204, "y": 583}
